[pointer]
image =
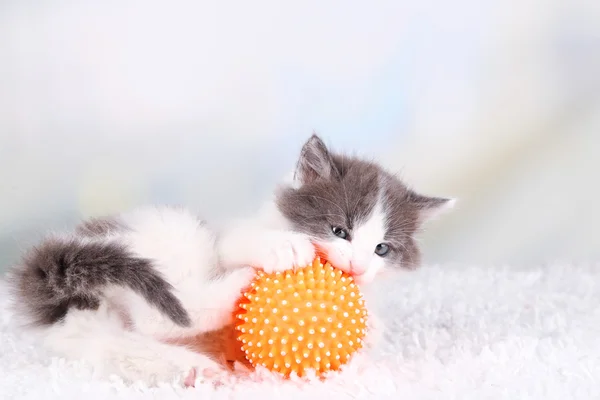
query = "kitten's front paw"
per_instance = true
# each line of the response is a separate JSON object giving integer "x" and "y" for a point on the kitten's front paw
{"x": 176, "y": 364}
{"x": 196, "y": 374}
{"x": 203, "y": 369}
{"x": 286, "y": 250}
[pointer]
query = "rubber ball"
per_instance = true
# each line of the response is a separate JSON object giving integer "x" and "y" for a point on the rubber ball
{"x": 310, "y": 318}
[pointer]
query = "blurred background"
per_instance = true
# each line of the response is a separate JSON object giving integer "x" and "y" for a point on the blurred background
{"x": 109, "y": 105}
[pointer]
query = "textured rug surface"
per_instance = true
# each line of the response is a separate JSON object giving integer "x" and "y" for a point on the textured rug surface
{"x": 453, "y": 332}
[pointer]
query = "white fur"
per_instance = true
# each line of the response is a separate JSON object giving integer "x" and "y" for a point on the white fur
{"x": 99, "y": 338}
{"x": 183, "y": 251}
{"x": 127, "y": 336}
{"x": 266, "y": 242}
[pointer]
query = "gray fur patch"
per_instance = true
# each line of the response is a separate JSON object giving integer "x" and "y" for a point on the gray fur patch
{"x": 58, "y": 275}
{"x": 345, "y": 199}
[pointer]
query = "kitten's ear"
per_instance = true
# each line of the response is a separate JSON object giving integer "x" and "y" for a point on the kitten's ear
{"x": 315, "y": 161}
{"x": 430, "y": 207}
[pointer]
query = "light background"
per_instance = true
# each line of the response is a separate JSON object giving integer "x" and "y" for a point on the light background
{"x": 108, "y": 105}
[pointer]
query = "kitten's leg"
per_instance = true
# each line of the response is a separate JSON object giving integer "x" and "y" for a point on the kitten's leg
{"x": 267, "y": 249}
{"x": 98, "y": 337}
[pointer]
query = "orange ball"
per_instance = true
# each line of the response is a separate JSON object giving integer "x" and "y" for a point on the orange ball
{"x": 294, "y": 321}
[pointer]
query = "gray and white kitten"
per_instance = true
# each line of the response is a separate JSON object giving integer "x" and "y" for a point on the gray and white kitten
{"x": 118, "y": 290}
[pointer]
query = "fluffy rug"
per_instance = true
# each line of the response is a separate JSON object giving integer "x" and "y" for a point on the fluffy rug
{"x": 453, "y": 332}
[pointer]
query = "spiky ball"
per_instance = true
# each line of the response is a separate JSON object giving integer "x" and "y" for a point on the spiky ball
{"x": 294, "y": 321}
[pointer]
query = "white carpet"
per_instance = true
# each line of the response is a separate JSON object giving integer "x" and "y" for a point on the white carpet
{"x": 453, "y": 333}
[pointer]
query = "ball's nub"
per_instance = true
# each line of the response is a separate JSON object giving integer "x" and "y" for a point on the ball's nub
{"x": 310, "y": 318}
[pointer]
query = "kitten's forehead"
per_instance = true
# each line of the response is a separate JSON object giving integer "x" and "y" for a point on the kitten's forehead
{"x": 372, "y": 190}
{"x": 346, "y": 199}
{"x": 354, "y": 189}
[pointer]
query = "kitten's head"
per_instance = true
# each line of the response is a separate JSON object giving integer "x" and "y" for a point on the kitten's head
{"x": 362, "y": 217}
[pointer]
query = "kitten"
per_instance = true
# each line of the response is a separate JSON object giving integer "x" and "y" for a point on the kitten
{"x": 119, "y": 291}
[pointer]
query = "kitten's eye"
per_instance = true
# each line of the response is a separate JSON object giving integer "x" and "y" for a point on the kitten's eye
{"x": 339, "y": 232}
{"x": 382, "y": 249}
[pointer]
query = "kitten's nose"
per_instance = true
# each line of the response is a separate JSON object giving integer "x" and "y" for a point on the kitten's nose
{"x": 356, "y": 268}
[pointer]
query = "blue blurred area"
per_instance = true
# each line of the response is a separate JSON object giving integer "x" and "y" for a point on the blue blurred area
{"x": 109, "y": 105}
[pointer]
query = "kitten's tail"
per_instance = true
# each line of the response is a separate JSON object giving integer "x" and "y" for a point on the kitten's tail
{"x": 61, "y": 274}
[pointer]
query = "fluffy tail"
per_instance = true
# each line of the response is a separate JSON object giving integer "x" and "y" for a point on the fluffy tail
{"x": 62, "y": 274}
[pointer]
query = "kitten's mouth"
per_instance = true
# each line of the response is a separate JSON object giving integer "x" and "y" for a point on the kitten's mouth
{"x": 347, "y": 268}
{"x": 336, "y": 261}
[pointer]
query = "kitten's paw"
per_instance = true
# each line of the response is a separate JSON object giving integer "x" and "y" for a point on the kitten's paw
{"x": 190, "y": 379}
{"x": 197, "y": 374}
{"x": 286, "y": 250}
{"x": 179, "y": 366}
{"x": 204, "y": 369}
